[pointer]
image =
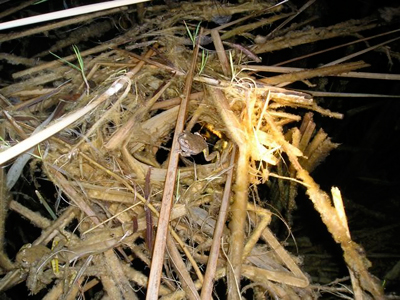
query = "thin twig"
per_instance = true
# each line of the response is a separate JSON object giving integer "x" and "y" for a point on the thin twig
{"x": 304, "y": 7}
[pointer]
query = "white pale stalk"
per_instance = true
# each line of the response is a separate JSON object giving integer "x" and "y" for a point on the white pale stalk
{"x": 76, "y": 11}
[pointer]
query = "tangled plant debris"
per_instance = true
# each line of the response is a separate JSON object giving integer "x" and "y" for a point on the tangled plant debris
{"x": 141, "y": 206}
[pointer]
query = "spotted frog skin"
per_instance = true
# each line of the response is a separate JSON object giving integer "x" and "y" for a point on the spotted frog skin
{"x": 193, "y": 144}
{"x": 29, "y": 254}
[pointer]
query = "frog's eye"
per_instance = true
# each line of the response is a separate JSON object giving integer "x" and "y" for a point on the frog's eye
{"x": 196, "y": 133}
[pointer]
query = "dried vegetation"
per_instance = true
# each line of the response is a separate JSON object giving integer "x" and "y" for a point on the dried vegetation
{"x": 113, "y": 153}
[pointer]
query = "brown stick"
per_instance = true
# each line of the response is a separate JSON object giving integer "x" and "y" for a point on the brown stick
{"x": 16, "y": 8}
{"x": 219, "y": 47}
{"x": 180, "y": 267}
{"x": 149, "y": 220}
{"x": 162, "y": 228}
{"x": 214, "y": 251}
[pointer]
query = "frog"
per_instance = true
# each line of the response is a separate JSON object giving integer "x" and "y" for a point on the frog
{"x": 29, "y": 255}
{"x": 31, "y": 261}
{"x": 193, "y": 144}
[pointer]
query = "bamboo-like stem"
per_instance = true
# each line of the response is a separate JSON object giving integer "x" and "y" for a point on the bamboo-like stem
{"x": 237, "y": 133}
{"x": 237, "y": 222}
{"x": 207, "y": 288}
{"x": 163, "y": 221}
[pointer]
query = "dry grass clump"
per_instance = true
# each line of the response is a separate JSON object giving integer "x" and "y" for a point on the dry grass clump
{"x": 113, "y": 154}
